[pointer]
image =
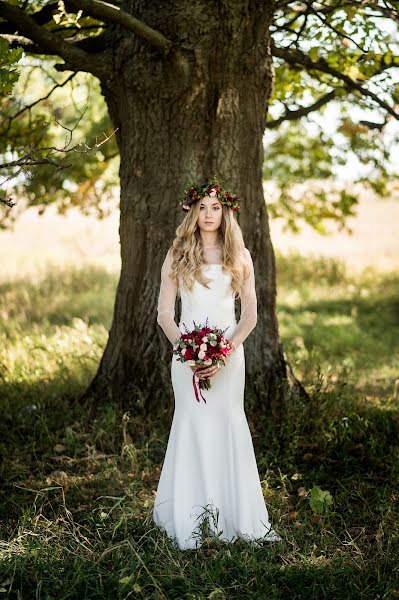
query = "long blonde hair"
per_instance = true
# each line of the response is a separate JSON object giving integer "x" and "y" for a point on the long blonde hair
{"x": 187, "y": 250}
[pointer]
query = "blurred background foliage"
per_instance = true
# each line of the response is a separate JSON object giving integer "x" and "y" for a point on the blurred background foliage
{"x": 332, "y": 112}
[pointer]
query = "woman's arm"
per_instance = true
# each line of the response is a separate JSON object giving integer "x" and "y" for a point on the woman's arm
{"x": 166, "y": 302}
{"x": 249, "y": 309}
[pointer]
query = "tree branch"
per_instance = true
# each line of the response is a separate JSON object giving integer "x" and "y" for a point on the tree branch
{"x": 113, "y": 14}
{"x": 10, "y": 118}
{"x": 75, "y": 58}
{"x": 49, "y": 155}
{"x": 296, "y": 57}
{"x": 293, "y": 115}
{"x": 91, "y": 44}
{"x": 19, "y": 41}
{"x": 45, "y": 16}
{"x": 340, "y": 34}
{"x": 384, "y": 10}
{"x": 41, "y": 17}
{"x": 8, "y": 202}
{"x": 377, "y": 126}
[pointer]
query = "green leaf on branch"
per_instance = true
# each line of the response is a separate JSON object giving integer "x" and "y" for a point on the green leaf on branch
{"x": 9, "y": 74}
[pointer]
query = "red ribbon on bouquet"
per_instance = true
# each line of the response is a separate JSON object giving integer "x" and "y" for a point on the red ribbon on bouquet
{"x": 196, "y": 390}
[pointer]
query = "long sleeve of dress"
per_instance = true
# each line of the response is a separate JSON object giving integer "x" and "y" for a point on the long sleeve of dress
{"x": 166, "y": 302}
{"x": 249, "y": 310}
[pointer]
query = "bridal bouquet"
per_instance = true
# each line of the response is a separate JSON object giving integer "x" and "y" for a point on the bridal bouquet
{"x": 202, "y": 346}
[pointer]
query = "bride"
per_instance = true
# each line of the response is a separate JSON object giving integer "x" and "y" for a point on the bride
{"x": 209, "y": 483}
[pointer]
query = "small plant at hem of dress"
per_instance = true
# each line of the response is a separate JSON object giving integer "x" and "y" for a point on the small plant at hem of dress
{"x": 205, "y": 346}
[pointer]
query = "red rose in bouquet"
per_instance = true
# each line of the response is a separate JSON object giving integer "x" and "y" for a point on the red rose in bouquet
{"x": 202, "y": 346}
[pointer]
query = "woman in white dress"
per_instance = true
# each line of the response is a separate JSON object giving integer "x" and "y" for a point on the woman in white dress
{"x": 209, "y": 484}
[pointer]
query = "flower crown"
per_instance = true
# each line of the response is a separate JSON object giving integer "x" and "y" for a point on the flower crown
{"x": 212, "y": 188}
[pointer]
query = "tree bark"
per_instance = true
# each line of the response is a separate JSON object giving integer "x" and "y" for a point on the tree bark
{"x": 200, "y": 114}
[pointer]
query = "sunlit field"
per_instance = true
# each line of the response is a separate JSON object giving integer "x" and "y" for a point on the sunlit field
{"x": 78, "y": 482}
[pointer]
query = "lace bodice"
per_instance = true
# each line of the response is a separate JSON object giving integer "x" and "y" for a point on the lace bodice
{"x": 219, "y": 302}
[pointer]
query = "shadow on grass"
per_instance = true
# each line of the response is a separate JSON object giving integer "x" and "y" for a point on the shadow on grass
{"x": 364, "y": 331}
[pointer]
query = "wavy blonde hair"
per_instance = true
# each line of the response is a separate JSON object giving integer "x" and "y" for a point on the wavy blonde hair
{"x": 187, "y": 250}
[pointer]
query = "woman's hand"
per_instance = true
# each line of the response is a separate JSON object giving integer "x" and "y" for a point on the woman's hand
{"x": 209, "y": 372}
{"x": 205, "y": 372}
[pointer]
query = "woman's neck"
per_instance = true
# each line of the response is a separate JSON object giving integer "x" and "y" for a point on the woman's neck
{"x": 211, "y": 241}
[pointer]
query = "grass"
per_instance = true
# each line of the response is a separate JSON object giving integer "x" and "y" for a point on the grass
{"x": 77, "y": 492}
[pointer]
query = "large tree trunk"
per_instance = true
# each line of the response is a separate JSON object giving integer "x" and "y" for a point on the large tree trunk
{"x": 176, "y": 120}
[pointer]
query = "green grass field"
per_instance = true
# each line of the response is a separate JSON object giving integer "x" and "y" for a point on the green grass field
{"x": 77, "y": 485}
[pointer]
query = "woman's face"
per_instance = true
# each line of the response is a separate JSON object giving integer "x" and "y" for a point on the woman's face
{"x": 210, "y": 214}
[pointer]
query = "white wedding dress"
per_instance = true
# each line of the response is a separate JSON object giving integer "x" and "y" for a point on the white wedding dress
{"x": 209, "y": 482}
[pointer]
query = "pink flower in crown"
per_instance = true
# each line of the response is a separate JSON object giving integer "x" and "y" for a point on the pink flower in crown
{"x": 212, "y": 193}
